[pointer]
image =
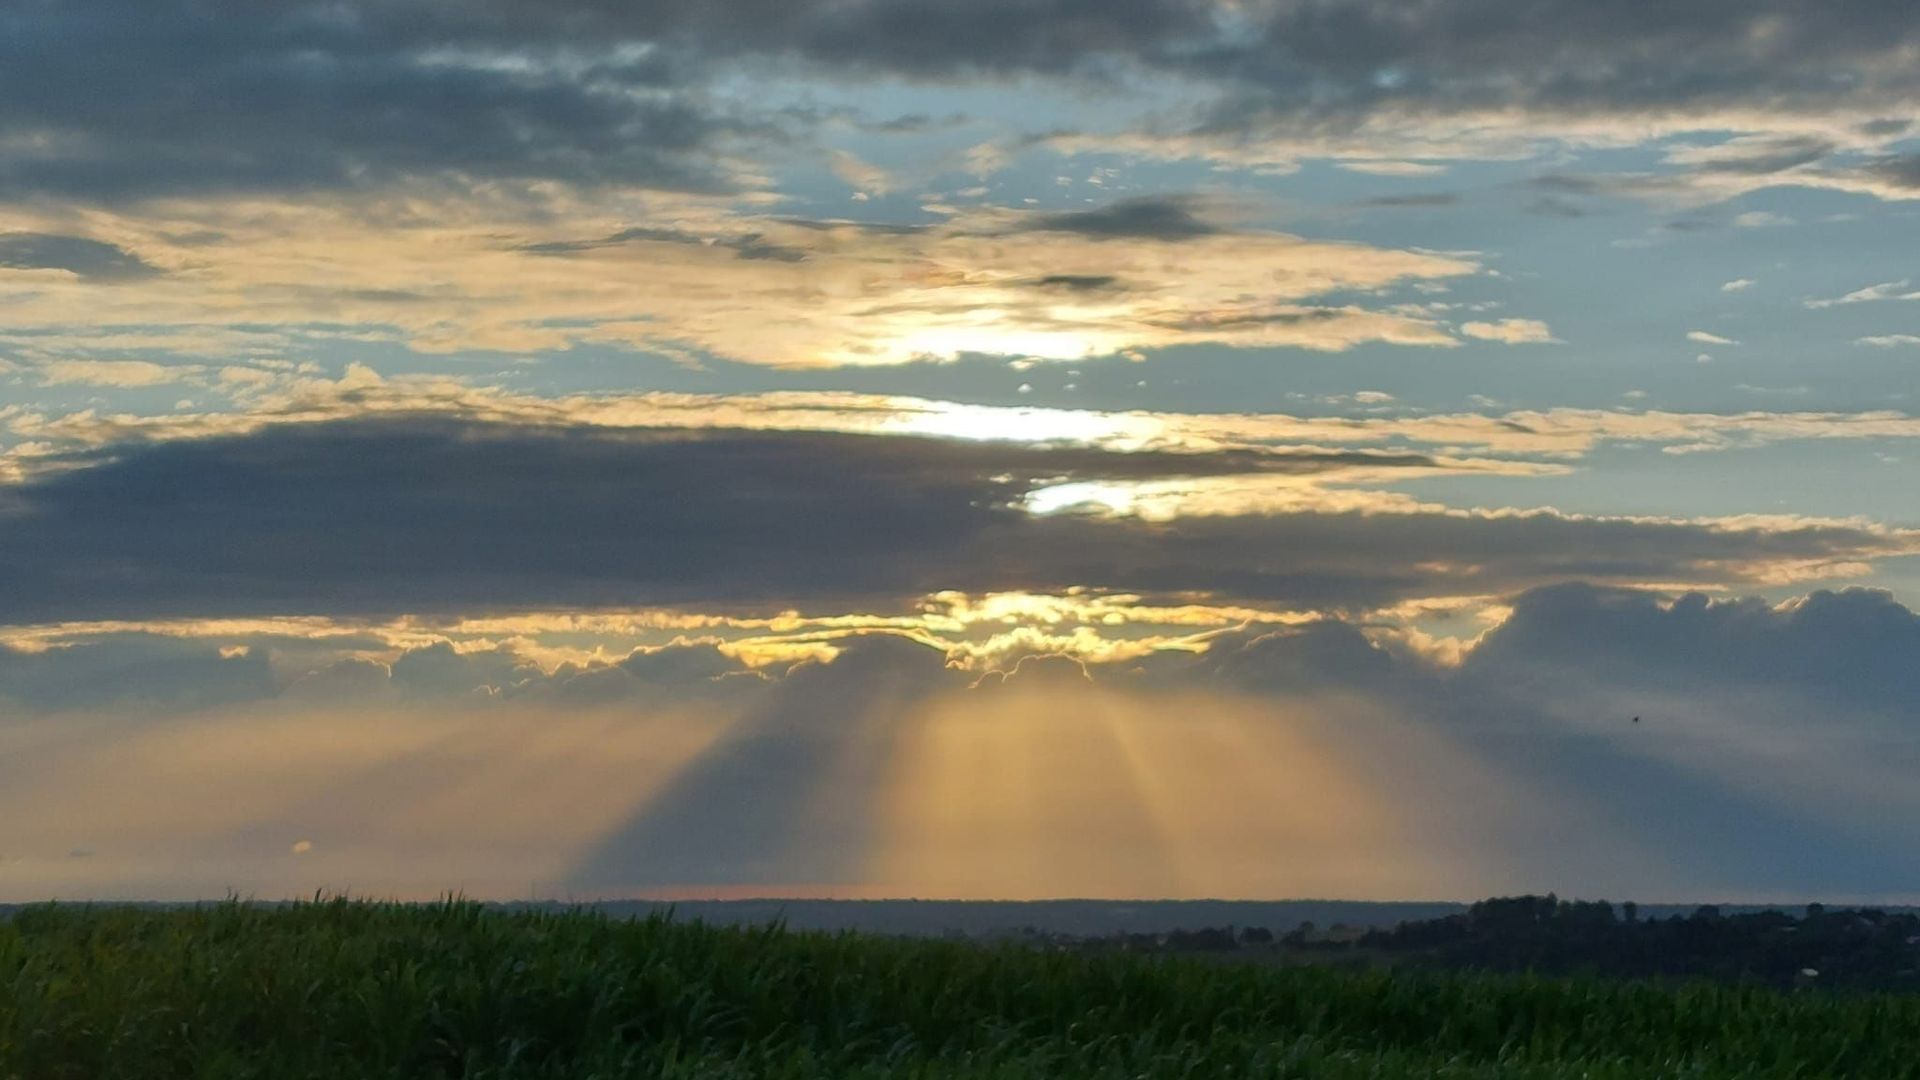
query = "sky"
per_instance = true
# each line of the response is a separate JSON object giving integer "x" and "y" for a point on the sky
{"x": 960, "y": 448}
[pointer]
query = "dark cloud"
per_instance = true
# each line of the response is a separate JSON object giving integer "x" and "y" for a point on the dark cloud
{"x": 1836, "y": 654}
{"x": 1322, "y": 64}
{"x": 88, "y": 260}
{"x": 1319, "y": 655}
{"x": 439, "y": 671}
{"x": 190, "y": 96}
{"x": 441, "y": 516}
{"x": 1168, "y": 218}
{"x": 1900, "y": 171}
{"x": 749, "y": 246}
{"x": 653, "y": 676}
{"x": 341, "y": 681}
{"x": 1037, "y": 670}
{"x": 198, "y": 95}
{"x": 1209, "y": 321}
{"x": 385, "y": 296}
{"x": 680, "y": 663}
{"x": 923, "y": 37}
{"x": 1752, "y": 162}
{"x": 1771, "y": 157}
{"x": 1084, "y": 283}
{"x": 1317, "y": 58}
{"x": 1609, "y": 185}
{"x": 1841, "y": 650}
{"x": 914, "y": 124}
{"x": 132, "y": 671}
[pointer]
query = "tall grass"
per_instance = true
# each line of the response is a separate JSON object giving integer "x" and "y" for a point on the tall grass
{"x": 347, "y": 989}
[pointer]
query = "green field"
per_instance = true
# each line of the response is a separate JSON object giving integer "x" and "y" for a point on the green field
{"x": 346, "y": 989}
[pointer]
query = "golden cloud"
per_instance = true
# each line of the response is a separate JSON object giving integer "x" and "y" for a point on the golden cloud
{"x": 745, "y": 286}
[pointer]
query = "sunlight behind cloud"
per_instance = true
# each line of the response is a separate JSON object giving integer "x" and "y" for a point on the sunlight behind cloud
{"x": 957, "y": 420}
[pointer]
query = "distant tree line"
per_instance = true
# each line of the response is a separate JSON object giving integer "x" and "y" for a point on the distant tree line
{"x": 1855, "y": 948}
{"x": 1860, "y": 948}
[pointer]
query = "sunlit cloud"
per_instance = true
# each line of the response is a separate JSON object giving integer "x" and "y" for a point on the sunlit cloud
{"x": 1510, "y": 331}
{"x": 118, "y": 373}
{"x": 749, "y": 287}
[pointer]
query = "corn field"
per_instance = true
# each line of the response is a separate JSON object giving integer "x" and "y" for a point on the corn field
{"x": 352, "y": 989}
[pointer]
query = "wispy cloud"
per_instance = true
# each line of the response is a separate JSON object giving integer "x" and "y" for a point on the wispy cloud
{"x": 87, "y": 260}
{"x": 1886, "y": 290}
{"x": 1510, "y": 331}
{"x": 117, "y": 373}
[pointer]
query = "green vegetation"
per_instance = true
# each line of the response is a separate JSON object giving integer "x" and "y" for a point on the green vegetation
{"x": 343, "y": 989}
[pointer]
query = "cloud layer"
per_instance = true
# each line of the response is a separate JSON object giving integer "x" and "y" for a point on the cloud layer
{"x": 1149, "y": 272}
{"x": 432, "y": 515}
{"x": 230, "y": 96}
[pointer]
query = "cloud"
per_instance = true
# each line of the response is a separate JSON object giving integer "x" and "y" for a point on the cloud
{"x": 87, "y": 260}
{"x": 1888, "y": 341}
{"x": 1364, "y": 79}
{"x": 1886, "y": 290}
{"x": 1852, "y": 650}
{"x": 1510, "y": 331}
{"x": 1418, "y": 201}
{"x": 439, "y": 670}
{"x": 1705, "y": 338}
{"x": 479, "y": 672}
{"x": 132, "y": 671}
{"x": 1393, "y": 168}
{"x": 1855, "y": 649}
{"x": 125, "y": 374}
{"x": 1753, "y": 156}
{"x": 193, "y": 99}
{"x": 1168, "y": 219}
{"x": 649, "y": 676}
{"x": 743, "y": 245}
{"x": 438, "y": 517}
{"x": 862, "y": 176}
{"x": 313, "y": 96}
{"x": 783, "y": 291}
{"x": 52, "y": 443}
{"x": 1900, "y": 171}
{"x": 1738, "y": 285}
{"x": 1327, "y": 654}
